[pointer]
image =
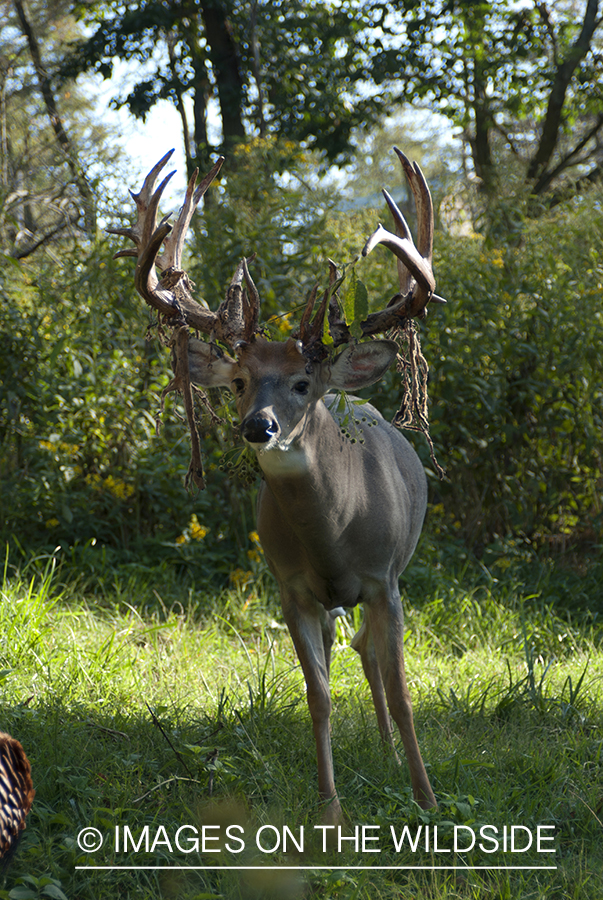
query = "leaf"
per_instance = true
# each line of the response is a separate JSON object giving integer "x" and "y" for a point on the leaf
{"x": 349, "y": 299}
{"x": 326, "y": 333}
{"x": 355, "y": 304}
{"x": 56, "y": 350}
{"x": 52, "y": 890}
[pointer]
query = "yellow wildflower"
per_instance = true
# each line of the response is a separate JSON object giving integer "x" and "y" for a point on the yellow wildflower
{"x": 284, "y": 325}
{"x": 197, "y": 531}
{"x": 181, "y": 539}
{"x": 71, "y": 449}
{"x": 52, "y": 523}
{"x": 118, "y": 488}
{"x": 240, "y": 578}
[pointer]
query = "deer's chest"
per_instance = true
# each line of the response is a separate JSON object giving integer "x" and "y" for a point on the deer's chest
{"x": 311, "y": 554}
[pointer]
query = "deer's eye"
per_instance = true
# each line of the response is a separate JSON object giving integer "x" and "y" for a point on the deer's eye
{"x": 238, "y": 385}
{"x": 301, "y": 387}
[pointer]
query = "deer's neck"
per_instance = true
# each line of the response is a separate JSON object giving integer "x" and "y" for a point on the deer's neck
{"x": 310, "y": 479}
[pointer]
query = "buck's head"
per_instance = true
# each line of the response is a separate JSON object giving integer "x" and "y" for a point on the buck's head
{"x": 275, "y": 386}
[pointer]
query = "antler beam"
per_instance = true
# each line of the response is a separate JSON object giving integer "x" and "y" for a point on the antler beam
{"x": 171, "y": 293}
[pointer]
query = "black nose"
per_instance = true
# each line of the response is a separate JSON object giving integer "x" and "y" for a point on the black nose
{"x": 259, "y": 429}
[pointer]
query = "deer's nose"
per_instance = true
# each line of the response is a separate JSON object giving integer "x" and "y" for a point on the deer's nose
{"x": 259, "y": 429}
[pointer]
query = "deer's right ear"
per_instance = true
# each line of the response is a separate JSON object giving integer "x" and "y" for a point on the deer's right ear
{"x": 206, "y": 367}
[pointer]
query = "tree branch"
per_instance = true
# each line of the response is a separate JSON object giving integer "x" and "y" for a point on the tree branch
{"x": 544, "y": 15}
{"x": 180, "y": 101}
{"x": 23, "y": 254}
{"x": 595, "y": 174}
{"x": 547, "y": 177}
{"x": 561, "y": 81}
{"x": 78, "y": 175}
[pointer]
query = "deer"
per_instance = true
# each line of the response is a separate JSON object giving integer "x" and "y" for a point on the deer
{"x": 338, "y": 519}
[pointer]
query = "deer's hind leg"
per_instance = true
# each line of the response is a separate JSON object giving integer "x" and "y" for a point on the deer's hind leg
{"x": 386, "y": 625}
{"x": 363, "y": 643}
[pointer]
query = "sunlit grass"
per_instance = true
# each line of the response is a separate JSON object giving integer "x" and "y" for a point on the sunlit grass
{"x": 139, "y": 710}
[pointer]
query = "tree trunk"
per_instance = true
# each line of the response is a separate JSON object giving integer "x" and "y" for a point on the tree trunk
{"x": 180, "y": 103}
{"x": 563, "y": 75}
{"x": 85, "y": 191}
{"x": 225, "y": 63}
{"x": 477, "y": 98}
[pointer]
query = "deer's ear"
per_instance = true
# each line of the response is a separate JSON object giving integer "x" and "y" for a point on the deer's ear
{"x": 361, "y": 364}
{"x": 206, "y": 367}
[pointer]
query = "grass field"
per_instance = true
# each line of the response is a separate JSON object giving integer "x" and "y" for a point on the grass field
{"x": 145, "y": 706}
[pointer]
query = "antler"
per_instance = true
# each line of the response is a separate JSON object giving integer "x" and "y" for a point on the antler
{"x": 159, "y": 246}
{"x": 415, "y": 273}
{"x": 171, "y": 294}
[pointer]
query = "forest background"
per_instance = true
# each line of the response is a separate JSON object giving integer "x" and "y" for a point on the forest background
{"x": 306, "y": 106}
{"x": 144, "y": 664}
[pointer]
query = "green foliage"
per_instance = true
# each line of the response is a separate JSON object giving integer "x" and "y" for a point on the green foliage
{"x": 80, "y": 459}
{"x": 515, "y": 381}
{"x": 522, "y": 82}
{"x": 55, "y": 146}
{"x": 355, "y": 303}
{"x": 280, "y": 218}
{"x": 511, "y": 736}
{"x": 288, "y": 72}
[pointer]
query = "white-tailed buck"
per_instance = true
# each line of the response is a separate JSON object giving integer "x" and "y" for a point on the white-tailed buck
{"x": 338, "y": 519}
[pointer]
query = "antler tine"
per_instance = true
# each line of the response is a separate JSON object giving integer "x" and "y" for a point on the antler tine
{"x": 311, "y": 332}
{"x": 145, "y": 234}
{"x": 171, "y": 295}
{"x": 417, "y": 283}
{"x": 305, "y": 319}
{"x": 251, "y": 302}
{"x": 403, "y": 232}
{"x": 417, "y": 261}
{"x": 147, "y": 202}
{"x": 405, "y": 251}
{"x": 172, "y": 254}
{"x": 145, "y": 276}
{"x": 423, "y": 203}
{"x": 311, "y": 329}
{"x": 239, "y": 312}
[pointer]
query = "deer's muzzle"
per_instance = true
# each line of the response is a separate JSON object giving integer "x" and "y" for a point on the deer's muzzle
{"x": 259, "y": 429}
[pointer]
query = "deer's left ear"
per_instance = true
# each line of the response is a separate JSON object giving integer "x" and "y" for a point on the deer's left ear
{"x": 361, "y": 364}
{"x": 206, "y": 367}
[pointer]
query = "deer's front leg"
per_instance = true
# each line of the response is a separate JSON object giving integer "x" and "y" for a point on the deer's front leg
{"x": 312, "y": 634}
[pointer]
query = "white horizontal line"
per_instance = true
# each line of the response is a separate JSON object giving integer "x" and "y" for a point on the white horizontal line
{"x": 307, "y": 868}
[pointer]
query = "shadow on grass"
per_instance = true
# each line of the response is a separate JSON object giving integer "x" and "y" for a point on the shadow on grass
{"x": 246, "y": 767}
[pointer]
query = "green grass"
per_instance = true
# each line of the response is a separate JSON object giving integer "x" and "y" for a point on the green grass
{"x": 142, "y": 703}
